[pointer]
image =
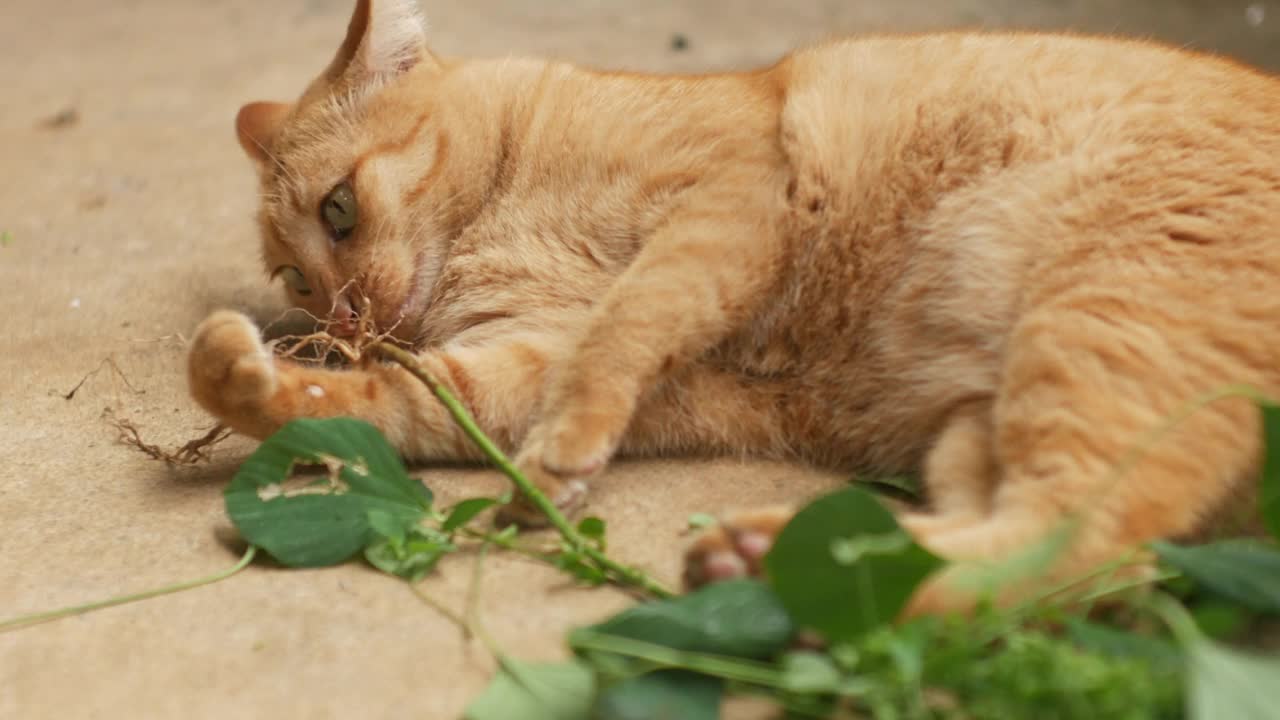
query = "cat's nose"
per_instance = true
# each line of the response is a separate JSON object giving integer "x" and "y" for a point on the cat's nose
{"x": 342, "y": 319}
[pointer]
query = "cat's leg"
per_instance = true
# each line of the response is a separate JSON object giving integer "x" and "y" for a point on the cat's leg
{"x": 694, "y": 281}
{"x": 735, "y": 546}
{"x": 235, "y": 377}
{"x": 959, "y": 473}
{"x": 1091, "y": 376}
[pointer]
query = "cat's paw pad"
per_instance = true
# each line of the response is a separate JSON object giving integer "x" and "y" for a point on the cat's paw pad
{"x": 228, "y": 367}
{"x": 735, "y": 547}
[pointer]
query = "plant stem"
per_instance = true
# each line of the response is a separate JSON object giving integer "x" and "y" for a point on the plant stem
{"x": 508, "y": 544}
{"x": 727, "y": 668}
{"x": 474, "y": 625}
{"x": 440, "y": 607}
{"x": 1171, "y": 423}
{"x": 1176, "y": 617}
{"x": 616, "y": 571}
{"x": 34, "y": 619}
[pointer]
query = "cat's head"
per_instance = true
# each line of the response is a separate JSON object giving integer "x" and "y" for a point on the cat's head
{"x": 347, "y": 175}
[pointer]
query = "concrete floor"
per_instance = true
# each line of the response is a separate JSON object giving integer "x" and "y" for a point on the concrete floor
{"x": 127, "y": 226}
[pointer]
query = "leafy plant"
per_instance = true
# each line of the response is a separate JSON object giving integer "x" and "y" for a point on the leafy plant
{"x": 1269, "y": 494}
{"x": 366, "y": 496}
{"x": 546, "y": 691}
{"x": 843, "y": 568}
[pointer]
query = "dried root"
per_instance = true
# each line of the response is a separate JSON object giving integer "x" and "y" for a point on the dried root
{"x": 193, "y": 452}
{"x": 108, "y": 362}
{"x": 322, "y": 346}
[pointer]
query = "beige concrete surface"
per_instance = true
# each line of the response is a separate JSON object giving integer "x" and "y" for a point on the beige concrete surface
{"x": 122, "y": 229}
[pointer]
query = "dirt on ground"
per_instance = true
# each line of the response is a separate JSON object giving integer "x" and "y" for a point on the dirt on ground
{"x": 126, "y": 216}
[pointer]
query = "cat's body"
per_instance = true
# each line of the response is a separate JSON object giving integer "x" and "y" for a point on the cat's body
{"x": 999, "y": 259}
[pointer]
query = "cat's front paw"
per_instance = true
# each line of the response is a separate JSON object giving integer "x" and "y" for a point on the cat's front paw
{"x": 230, "y": 371}
{"x": 736, "y": 546}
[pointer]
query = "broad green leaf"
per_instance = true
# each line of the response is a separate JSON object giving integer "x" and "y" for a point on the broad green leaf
{"x": 593, "y": 528}
{"x": 1245, "y": 571}
{"x": 898, "y": 487}
{"x": 1220, "y": 619}
{"x": 738, "y": 618}
{"x": 528, "y": 691}
{"x": 1269, "y": 494}
{"x": 1226, "y": 683}
{"x": 386, "y": 525}
{"x": 663, "y": 695}
{"x": 466, "y": 511}
{"x": 1160, "y": 653}
{"x": 327, "y": 521}
{"x": 411, "y": 556}
{"x": 842, "y": 566}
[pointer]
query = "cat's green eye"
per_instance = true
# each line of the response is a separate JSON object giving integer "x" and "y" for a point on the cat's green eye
{"x": 339, "y": 211}
{"x": 294, "y": 278}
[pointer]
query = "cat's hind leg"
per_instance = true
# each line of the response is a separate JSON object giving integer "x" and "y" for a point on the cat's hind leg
{"x": 959, "y": 471}
{"x": 1092, "y": 376}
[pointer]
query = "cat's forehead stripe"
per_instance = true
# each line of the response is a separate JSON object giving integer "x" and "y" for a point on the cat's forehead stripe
{"x": 392, "y": 146}
{"x": 437, "y": 165}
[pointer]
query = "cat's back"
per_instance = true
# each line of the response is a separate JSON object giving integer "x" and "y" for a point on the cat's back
{"x": 1058, "y": 71}
{"x": 1041, "y": 94}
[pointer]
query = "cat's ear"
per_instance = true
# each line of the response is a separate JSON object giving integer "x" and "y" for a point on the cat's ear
{"x": 384, "y": 38}
{"x": 257, "y": 125}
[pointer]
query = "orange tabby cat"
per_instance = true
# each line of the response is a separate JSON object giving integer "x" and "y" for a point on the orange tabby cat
{"x": 999, "y": 259}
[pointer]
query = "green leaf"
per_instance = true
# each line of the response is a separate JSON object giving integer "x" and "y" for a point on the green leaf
{"x": 1226, "y": 683}
{"x": 738, "y": 618}
{"x": 593, "y": 528}
{"x": 1220, "y": 619}
{"x": 663, "y": 695}
{"x": 527, "y": 691}
{"x": 6, "y": 238}
{"x": 899, "y": 487}
{"x": 1269, "y": 495}
{"x": 1159, "y": 653}
{"x": 574, "y": 563}
{"x": 465, "y": 511}
{"x": 327, "y": 521}
{"x": 386, "y": 525}
{"x": 809, "y": 672}
{"x": 698, "y": 521}
{"x": 411, "y": 556}
{"x": 1245, "y": 571}
{"x": 842, "y": 566}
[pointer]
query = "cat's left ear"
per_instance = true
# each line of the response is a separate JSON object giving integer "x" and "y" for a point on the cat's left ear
{"x": 257, "y": 125}
{"x": 384, "y": 38}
